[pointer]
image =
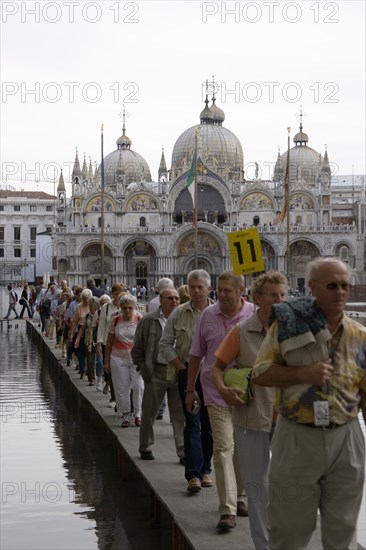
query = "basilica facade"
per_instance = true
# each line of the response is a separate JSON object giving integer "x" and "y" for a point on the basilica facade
{"x": 148, "y": 229}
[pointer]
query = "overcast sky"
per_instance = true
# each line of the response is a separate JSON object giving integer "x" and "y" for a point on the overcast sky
{"x": 68, "y": 67}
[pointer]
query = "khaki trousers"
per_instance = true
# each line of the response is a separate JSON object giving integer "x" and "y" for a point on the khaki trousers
{"x": 153, "y": 396}
{"x": 315, "y": 469}
{"x": 227, "y": 471}
{"x": 51, "y": 328}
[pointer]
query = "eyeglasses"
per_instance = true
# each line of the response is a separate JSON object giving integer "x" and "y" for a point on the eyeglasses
{"x": 334, "y": 286}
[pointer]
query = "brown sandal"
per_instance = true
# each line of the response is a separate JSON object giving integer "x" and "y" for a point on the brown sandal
{"x": 125, "y": 424}
{"x": 138, "y": 421}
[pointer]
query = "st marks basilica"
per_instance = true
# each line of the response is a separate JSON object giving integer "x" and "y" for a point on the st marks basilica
{"x": 148, "y": 231}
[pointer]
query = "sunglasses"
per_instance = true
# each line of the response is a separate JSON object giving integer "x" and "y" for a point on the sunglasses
{"x": 334, "y": 286}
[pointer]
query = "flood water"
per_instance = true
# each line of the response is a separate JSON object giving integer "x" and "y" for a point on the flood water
{"x": 60, "y": 485}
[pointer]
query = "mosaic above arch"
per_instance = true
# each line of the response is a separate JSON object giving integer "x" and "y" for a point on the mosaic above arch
{"x": 256, "y": 201}
{"x": 140, "y": 248}
{"x": 94, "y": 250}
{"x": 299, "y": 201}
{"x": 95, "y": 204}
{"x": 303, "y": 248}
{"x": 141, "y": 203}
{"x": 205, "y": 243}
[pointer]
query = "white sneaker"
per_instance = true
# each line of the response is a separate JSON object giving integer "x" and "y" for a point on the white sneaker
{"x": 99, "y": 384}
{"x": 111, "y": 404}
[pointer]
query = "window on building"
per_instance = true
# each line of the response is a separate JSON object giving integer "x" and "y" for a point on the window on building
{"x": 49, "y": 229}
{"x": 17, "y": 208}
{"x": 33, "y": 233}
{"x": 2, "y": 253}
{"x": 33, "y": 208}
{"x": 16, "y": 233}
{"x": 17, "y": 252}
{"x": 49, "y": 208}
{"x": 2, "y": 233}
{"x": 32, "y": 252}
{"x": 344, "y": 253}
{"x": 1, "y": 208}
{"x": 142, "y": 222}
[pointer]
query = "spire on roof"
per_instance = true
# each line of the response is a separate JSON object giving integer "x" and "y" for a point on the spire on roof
{"x": 90, "y": 170}
{"x": 124, "y": 142}
{"x": 61, "y": 183}
{"x": 76, "y": 170}
{"x": 301, "y": 138}
{"x": 84, "y": 171}
{"x": 162, "y": 166}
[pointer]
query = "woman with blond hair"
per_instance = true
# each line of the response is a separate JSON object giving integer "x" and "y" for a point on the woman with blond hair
{"x": 183, "y": 292}
{"x": 118, "y": 359}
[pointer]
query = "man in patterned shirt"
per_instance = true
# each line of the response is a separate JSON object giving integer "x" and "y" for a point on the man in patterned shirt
{"x": 317, "y": 357}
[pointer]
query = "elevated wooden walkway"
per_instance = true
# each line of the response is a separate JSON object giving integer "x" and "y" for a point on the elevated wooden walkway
{"x": 194, "y": 517}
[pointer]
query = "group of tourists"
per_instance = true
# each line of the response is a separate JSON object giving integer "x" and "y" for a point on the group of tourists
{"x": 286, "y": 443}
{"x": 26, "y": 300}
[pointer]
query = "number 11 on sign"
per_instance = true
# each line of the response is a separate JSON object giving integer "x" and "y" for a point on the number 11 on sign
{"x": 245, "y": 251}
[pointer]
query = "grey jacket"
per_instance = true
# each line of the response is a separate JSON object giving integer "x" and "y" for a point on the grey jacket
{"x": 146, "y": 348}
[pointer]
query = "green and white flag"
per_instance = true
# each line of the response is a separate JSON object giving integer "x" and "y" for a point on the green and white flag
{"x": 190, "y": 180}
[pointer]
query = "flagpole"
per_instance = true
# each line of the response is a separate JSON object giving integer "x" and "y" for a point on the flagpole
{"x": 102, "y": 210}
{"x": 195, "y": 217}
{"x": 287, "y": 204}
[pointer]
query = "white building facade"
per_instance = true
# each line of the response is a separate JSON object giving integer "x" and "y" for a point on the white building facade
{"x": 23, "y": 215}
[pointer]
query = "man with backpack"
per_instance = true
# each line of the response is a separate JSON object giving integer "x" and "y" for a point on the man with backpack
{"x": 13, "y": 298}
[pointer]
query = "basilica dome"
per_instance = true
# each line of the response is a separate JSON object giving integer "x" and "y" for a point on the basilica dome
{"x": 125, "y": 165}
{"x": 305, "y": 163}
{"x": 217, "y": 147}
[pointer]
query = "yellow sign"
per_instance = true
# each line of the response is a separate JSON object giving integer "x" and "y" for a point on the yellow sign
{"x": 246, "y": 251}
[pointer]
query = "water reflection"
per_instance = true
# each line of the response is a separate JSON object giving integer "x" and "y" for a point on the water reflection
{"x": 60, "y": 486}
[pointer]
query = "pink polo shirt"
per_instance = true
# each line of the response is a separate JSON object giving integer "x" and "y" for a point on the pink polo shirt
{"x": 211, "y": 331}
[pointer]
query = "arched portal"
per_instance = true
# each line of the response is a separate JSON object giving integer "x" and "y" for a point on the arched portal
{"x": 269, "y": 256}
{"x": 91, "y": 262}
{"x": 301, "y": 253}
{"x": 141, "y": 272}
{"x": 140, "y": 261}
{"x": 62, "y": 267}
{"x": 211, "y": 206}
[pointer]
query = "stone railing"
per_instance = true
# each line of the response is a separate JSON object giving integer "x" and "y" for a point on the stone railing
{"x": 343, "y": 228}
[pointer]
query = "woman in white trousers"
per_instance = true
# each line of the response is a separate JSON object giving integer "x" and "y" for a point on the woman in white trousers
{"x": 118, "y": 359}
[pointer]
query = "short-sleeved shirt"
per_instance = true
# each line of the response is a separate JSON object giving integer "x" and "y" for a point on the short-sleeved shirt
{"x": 124, "y": 336}
{"x": 211, "y": 330}
{"x": 242, "y": 344}
{"x": 346, "y": 390}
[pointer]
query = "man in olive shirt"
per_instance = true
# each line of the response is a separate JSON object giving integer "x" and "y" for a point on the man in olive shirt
{"x": 174, "y": 348}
